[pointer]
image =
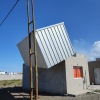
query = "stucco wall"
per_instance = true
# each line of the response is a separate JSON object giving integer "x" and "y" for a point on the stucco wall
{"x": 74, "y": 85}
{"x": 10, "y": 77}
{"x": 51, "y": 80}
{"x": 59, "y": 79}
{"x": 92, "y": 65}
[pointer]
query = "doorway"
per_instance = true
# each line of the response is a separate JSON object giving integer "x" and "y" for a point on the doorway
{"x": 97, "y": 76}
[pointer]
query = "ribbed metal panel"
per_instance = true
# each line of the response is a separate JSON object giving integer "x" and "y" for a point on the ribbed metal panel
{"x": 53, "y": 46}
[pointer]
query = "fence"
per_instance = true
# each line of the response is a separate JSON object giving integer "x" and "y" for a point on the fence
{"x": 10, "y": 77}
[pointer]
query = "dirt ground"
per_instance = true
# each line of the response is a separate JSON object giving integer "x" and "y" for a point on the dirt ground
{"x": 11, "y": 83}
{"x": 16, "y": 93}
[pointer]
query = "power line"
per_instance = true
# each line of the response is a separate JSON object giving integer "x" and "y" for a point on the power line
{"x": 9, "y": 12}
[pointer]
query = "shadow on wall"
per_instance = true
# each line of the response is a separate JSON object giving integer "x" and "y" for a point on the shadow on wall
{"x": 85, "y": 80}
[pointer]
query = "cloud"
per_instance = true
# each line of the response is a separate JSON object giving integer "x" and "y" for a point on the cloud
{"x": 81, "y": 39}
{"x": 90, "y": 58}
{"x": 95, "y": 51}
{"x": 75, "y": 40}
{"x": 83, "y": 47}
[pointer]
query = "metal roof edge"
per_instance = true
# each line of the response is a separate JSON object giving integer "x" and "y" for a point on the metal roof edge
{"x": 69, "y": 39}
{"x": 49, "y": 26}
{"x": 22, "y": 40}
{"x": 41, "y": 29}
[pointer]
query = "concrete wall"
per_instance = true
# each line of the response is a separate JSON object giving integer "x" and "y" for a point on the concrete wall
{"x": 10, "y": 77}
{"x": 79, "y": 55}
{"x": 92, "y": 65}
{"x": 51, "y": 80}
{"x": 59, "y": 79}
{"x": 74, "y": 85}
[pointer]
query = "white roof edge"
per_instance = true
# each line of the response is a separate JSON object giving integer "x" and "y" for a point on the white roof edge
{"x": 41, "y": 29}
{"x": 49, "y": 26}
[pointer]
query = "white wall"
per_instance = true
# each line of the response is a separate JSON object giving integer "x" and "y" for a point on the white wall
{"x": 3, "y": 72}
{"x": 10, "y": 77}
{"x": 74, "y": 85}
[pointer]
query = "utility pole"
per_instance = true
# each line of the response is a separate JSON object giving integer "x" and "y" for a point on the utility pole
{"x": 30, "y": 54}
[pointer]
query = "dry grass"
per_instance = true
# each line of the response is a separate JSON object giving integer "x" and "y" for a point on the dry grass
{"x": 11, "y": 83}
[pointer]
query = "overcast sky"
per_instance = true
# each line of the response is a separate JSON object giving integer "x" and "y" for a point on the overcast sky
{"x": 81, "y": 19}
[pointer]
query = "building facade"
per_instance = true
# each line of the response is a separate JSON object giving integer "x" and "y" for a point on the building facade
{"x": 61, "y": 78}
{"x": 60, "y": 70}
{"x": 94, "y": 71}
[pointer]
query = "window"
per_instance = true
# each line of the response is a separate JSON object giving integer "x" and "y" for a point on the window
{"x": 77, "y": 72}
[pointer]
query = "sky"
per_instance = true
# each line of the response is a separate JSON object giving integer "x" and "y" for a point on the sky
{"x": 81, "y": 19}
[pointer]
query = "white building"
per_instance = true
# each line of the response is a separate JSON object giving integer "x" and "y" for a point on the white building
{"x": 12, "y": 73}
{"x": 3, "y": 72}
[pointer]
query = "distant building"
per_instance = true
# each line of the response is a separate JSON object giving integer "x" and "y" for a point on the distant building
{"x": 12, "y": 73}
{"x": 94, "y": 71}
{"x": 3, "y": 72}
{"x": 19, "y": 73}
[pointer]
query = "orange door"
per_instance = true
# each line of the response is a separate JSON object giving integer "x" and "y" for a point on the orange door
{"x": 79, "y": 72}
{"x": 75, "y": 72}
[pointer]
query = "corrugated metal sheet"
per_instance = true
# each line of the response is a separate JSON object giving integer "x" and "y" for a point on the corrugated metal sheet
{"x": 53, "y": 46}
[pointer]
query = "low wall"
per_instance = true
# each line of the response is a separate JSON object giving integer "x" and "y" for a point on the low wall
{"x": 10, "y": 77}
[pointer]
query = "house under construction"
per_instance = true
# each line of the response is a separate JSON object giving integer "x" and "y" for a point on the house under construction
{"x": 60, "y": 70}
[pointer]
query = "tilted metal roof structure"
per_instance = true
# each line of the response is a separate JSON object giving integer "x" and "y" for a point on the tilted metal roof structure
{"x": 52, "y": 43}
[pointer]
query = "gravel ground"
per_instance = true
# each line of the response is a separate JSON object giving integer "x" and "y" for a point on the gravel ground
{"x": 16, "y": 93}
